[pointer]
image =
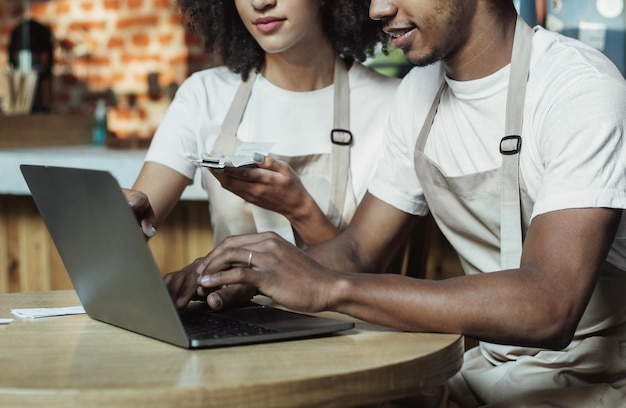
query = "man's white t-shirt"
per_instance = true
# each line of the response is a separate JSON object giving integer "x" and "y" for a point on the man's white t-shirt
{"x": 573, "y": 139}
{"x": 299, "y": 123}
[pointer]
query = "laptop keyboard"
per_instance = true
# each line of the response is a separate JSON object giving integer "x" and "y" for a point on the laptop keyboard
{"x": 213, "y": 326}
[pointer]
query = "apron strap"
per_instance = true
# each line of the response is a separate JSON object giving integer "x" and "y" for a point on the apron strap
{"x": 510, "y": 208}
{"x": 341, "y": 139}
{"x": 428, "y": 122}
{"x": 340, "y": 135}
{"x": 227, "y": 142}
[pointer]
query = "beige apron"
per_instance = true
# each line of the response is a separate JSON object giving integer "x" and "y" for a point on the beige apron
{"x": 487, "y": 241}
{"x": 325, "y": 176}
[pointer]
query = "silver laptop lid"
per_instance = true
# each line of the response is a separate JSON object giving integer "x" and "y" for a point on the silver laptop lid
{"x": 104, "y": 250}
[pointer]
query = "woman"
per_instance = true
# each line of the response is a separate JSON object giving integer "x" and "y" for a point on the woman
{"x": 285, "y": 64}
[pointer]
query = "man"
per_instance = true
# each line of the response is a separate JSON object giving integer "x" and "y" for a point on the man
{"x": 521, "y": 158}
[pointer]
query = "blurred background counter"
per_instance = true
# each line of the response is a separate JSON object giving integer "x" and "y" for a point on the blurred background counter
{"x": 124, "y": 164}
{"x": 28, "y": 259}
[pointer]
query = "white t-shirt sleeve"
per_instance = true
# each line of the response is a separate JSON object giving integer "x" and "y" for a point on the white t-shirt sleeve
{"x": 175, "y": 140}
{"x": 581, "y": 145}
{"x": 395, "y": 181}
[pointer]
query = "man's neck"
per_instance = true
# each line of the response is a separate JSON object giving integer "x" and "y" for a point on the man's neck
{"x": 487, "y": 50}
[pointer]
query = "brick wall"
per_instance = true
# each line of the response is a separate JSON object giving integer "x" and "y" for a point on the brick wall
{"x": 133, "y": 53}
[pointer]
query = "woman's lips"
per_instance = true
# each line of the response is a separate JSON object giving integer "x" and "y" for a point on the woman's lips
{"x": 268, "y": 24}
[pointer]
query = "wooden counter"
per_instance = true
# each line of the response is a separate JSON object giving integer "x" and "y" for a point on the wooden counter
{"x": 29, "y": 260}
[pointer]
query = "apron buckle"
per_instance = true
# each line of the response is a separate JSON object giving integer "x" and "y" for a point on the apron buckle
{"x": 510, "y": 145}
{"x": 341, "y": 137}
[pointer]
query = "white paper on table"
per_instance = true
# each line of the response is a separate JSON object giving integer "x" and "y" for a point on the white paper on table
{"x": 37, "y": 312}
{"x": 5, "y": 321}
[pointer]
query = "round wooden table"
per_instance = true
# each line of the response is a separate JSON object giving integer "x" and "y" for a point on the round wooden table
{"x": 74, "y": 361}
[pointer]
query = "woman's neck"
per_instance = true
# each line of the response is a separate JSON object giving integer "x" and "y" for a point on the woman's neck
{"x": 300, "y": 74}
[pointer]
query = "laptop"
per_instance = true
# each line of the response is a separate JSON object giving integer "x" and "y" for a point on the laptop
{"x": 118, "y": 281}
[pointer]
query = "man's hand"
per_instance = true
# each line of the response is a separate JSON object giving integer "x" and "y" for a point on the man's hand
{"x": 183, "y": 285}
{"x": 278, "y": 269}
{"x": 183, "y": 288}
{"x": 142, "y": 209}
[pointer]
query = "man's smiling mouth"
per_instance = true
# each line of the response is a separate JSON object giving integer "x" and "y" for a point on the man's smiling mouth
{"x": 401, "y": 37}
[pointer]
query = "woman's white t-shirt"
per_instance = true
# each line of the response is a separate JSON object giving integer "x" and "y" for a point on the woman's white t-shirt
{"x": 299, "y": 123}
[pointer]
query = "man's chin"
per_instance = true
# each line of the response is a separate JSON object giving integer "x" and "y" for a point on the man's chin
{"x": 421, "y": 60}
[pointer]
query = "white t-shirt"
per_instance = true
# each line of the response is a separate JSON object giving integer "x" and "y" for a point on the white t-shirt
{"x": 573, "y": 140}
{"x": 299, "y": 123}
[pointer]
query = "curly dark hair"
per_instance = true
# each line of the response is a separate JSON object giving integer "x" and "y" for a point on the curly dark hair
{"x": 346, "y": 23}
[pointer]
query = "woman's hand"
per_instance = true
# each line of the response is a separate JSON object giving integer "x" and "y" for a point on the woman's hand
{"x": 272, "y": 184}
{"x": 142, "y": 209}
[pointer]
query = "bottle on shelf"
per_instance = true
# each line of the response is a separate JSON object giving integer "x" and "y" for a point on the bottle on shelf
{"x": 100, "y": 130}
